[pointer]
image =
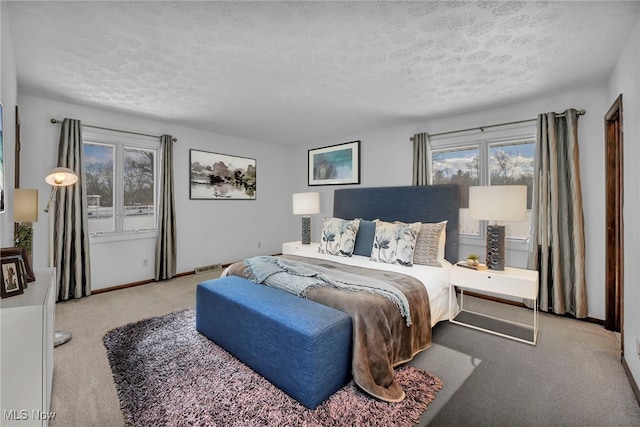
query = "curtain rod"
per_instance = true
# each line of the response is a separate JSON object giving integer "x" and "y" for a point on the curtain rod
{"x": 56, "y": 121}
{"x": 482, "y": 128}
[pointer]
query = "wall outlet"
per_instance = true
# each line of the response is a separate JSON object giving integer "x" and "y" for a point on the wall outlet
{"x": 259, "y": 244}
{"x": 638, "y": 345}
{"x": 145, "y": 262}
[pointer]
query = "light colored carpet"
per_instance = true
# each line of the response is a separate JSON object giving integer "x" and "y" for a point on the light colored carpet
{"x": 573, "y": 377}
{"x": 83, "y": 392}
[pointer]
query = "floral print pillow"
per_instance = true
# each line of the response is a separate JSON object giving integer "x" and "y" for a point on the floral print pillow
{"x": 339, "y": 236}
{"x": 394, "y": 243}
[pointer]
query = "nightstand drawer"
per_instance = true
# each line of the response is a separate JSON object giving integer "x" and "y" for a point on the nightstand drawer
{"x": 512, "y": 282}
{"x": 297, "y": 248}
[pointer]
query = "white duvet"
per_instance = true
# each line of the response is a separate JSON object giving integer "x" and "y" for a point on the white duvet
{"x": 435, "y": 279}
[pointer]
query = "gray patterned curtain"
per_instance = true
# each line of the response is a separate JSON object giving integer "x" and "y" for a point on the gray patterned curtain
{"x": 71, "y": 231}
{"x": 421, "y": 159}
{"x": 165, "y": 265}
{"x": 557, "y": 248}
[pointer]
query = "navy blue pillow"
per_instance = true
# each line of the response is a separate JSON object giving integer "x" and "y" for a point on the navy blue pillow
{"x": 364, "y": 238}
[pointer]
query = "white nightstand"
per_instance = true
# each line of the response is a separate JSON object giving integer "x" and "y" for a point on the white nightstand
{"x": 297, "y": 247}
{"x": 513, "y": 282}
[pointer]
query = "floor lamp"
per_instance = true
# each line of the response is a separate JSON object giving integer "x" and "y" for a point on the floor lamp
{"x": 57, "y": 177}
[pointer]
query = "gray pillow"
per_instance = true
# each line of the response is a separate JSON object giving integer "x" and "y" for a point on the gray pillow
{"x": 429, "y": 248}
{"x": 364, "y": 238}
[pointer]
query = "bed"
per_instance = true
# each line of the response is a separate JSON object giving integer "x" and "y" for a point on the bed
{"x": 388, "y": 330}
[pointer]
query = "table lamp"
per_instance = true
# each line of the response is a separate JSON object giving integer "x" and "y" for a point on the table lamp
{"x": 306, "y": 204}
{"x": 497, "y": 203}
{"x": 25, "y": 212}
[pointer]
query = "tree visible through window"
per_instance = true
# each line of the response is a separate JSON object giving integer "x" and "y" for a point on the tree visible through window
{"x": 507, "y": 163}
{"x": 121, "y": 187}
{"x": 139, "y": 189}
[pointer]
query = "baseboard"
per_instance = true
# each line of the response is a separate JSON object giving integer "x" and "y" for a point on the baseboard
{"x": 124, "y": 286}
{"x": 632, "y": 381}
{"x": 133, "y": 284}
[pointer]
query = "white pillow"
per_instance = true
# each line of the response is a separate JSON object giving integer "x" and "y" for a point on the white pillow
{"x": 338, "y": 236}
{"x": 394, "y": 243}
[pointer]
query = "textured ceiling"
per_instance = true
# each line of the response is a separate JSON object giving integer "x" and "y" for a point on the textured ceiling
{"x": 298, "y": 71}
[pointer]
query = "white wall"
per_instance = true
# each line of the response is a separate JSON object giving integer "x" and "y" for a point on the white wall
{"x": 207, "y": 231}
{"x": 225, "y": 231}
{"x": 8, "y": 96}
{"x": 387, "y": 161}
{"x": 624, "y": 80}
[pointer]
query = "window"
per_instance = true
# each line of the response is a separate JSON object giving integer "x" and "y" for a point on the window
{"x": 486, "y": 162}
{"x": 512, "y": 164}
{"x": 459, "y": 166}
{"x": 121, "y": 184}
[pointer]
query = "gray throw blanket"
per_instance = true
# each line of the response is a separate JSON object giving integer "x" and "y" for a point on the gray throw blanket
{"x": 298, "y": 277}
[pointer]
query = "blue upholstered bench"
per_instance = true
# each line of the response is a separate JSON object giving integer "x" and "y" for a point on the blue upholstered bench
{"x": 302, "y": 347}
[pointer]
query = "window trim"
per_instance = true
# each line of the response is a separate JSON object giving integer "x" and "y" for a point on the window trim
{"x": 121, "y": 142}
{"x": 483, "y": 141}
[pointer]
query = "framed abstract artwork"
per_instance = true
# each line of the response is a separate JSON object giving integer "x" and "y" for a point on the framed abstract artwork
{"x": 335, "y": 165}
{"x": 215, "y": 176}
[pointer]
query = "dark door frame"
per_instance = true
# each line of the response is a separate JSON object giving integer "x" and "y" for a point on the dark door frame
{"x": 614, "y": 264}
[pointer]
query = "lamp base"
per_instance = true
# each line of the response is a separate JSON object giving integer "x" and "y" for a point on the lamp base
{"x": 306, "y": 230}
{"x": 61, "y": 337}
{"x": 496, "y": 248}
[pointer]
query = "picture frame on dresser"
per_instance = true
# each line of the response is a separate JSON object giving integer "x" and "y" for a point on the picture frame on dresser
{"x": 19, "y": 251}
{"x": 334, "y": 165}
{"x": 12, "y": 278}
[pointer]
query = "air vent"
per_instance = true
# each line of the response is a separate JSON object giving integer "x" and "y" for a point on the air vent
{"x": 205, "y": 268}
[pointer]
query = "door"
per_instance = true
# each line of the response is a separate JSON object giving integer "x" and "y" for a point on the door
{"x": 614, "y": 226}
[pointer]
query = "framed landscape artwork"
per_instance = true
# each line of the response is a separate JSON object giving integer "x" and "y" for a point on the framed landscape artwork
{"x": 215, "y": 176}
{"x": 335, "y": 165}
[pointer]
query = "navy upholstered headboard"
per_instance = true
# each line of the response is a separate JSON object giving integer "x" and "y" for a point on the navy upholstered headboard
{"x": 431, "y": 203}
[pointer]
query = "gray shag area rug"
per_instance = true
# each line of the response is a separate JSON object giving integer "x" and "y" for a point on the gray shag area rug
{"x": 168, "y": 374}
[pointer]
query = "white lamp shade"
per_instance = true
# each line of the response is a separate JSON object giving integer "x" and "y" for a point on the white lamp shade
{"x": 61, "y": 177}
{"x": 498, "y": 202}
{"x": 306, "y": 203}
{"x": 25, "y": 205}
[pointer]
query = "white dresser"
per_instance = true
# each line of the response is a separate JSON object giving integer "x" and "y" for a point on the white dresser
{"x": 26, "y": 353}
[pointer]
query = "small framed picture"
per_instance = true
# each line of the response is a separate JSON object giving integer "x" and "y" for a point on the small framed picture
{"x": 12, "y": 279}
{"x": 334, "y": 165}
{"x": 22, "y": 253}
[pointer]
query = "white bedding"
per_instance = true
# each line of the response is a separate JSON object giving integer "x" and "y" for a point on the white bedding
{"x": 435, "y": 279}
